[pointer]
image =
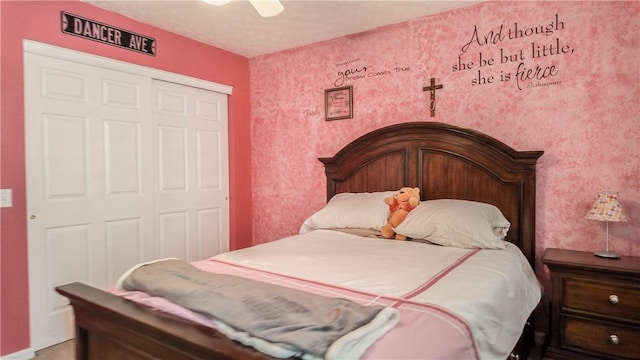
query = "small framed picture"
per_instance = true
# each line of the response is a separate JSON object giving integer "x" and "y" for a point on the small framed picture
{"x": 338, "y": 103}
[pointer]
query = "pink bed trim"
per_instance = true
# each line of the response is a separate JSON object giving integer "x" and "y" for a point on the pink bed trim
{"x": 450, "y": 335}
{"x": 395, "y": 302}
{"x": 429, "y": 283}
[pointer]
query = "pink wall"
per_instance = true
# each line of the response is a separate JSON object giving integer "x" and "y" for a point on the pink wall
{"x": 40, "y": 21}
{"x": 585, "y": 118}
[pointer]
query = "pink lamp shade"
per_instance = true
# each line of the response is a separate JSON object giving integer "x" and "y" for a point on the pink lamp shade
{"x": 607, "y": 208}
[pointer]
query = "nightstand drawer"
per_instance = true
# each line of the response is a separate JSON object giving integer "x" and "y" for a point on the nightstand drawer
{"x": 609, "y": 299}
{"x": 605, "y": 338}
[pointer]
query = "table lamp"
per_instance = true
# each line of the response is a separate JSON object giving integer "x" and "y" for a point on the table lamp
{"x": 607, "y": 208}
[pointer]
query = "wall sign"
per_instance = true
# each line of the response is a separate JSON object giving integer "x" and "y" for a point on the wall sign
{"x": 78, "y": 26}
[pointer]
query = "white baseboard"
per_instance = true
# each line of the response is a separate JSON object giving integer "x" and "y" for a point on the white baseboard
{"x": 26, "y": 354}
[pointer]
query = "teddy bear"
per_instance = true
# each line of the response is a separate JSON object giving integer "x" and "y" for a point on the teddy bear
{"x": 400, "y": 205}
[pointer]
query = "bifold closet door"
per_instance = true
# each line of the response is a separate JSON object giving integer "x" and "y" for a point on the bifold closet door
{"x": 90, "y": 198}
{"x": 192, "y": 182}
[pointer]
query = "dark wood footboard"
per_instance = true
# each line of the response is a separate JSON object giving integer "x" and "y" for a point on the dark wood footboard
{"x": 109, "y": 327}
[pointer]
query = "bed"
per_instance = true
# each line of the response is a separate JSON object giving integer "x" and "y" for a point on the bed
{"x": 443, "y": 161}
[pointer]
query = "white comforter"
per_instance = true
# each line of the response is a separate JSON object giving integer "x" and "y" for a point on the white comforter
{"x": 494, "y": 290}
{"x": 487, "y": 294}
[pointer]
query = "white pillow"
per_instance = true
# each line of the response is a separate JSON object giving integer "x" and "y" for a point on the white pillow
{"x": 351, "y": 210}
{"x": 457, "y": 223}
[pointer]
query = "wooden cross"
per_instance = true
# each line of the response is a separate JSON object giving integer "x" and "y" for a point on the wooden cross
{"x": 433, "y": 87}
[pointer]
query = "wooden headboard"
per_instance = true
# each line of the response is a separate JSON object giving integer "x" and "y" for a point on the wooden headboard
{"x": 445, "y": 162}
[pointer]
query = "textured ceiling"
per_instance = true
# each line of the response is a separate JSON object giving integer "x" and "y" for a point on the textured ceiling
{"x": 238, "y": 28}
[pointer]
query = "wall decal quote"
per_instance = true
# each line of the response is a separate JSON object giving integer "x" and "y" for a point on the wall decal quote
{"x": 529, "y": 66}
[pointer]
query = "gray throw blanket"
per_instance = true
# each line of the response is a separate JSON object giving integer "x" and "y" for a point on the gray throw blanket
{"x": 300, "y": 322}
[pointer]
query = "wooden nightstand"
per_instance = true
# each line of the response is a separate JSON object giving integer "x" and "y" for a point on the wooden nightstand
{"x": 595, "y": 306}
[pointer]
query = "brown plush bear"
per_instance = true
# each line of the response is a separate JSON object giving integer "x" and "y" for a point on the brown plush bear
{"x": 404, "y": 201}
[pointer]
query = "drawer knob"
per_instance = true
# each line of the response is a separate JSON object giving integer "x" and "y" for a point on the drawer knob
{"x": 614, "y": 339}
{"x": 614, "y": 299}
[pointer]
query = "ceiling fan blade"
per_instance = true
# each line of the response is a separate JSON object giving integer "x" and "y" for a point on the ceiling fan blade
{"x": 267, "y": 8}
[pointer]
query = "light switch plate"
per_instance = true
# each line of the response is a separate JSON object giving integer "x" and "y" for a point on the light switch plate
{"x": 5, "y": 198}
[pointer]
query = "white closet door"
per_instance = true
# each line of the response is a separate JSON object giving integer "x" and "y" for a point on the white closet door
{"x": 120, "y": 169}
{"x": 89, "y": 157}
{"x": 192, "y": 182}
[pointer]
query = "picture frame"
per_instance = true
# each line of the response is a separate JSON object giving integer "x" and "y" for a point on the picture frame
{"x": 338, "y": 103}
